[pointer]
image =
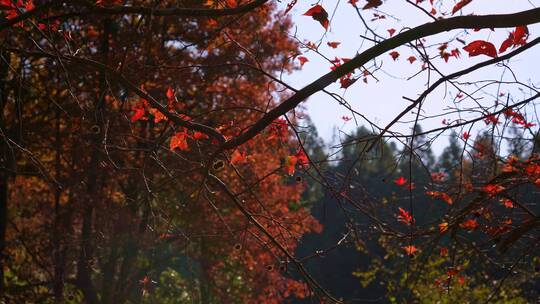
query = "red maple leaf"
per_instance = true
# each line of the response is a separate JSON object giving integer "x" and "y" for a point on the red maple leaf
{"x": 302, "y": 60}
{"x": 290, "y": 164}
{"x": 394, "y": 55}
{"x": 158, "y": 116}
{"x": 469, "y": 224}
{"x": 391, "y": 32}
{"x": 516, "y": 38}
{"x": 400, "y": 181}
{"x": 481, "y": 47}
{"x": 199, "y": 135}
{"x": 493, "y": 190}
{"x": 139, "y": 114}
{"x": 318, "y": 13}
{"x": 508, "y": 42}
{"x": 442, "y": 195}
{"x": 405, "y": 217}
{"x": 411, "y": 59}
{"x": 333, "y": 44}
{"x": 507, "y": 203}
{"x": 238, "y": 157}
{"x": 520, "y": 35}
{"x": 372, "y": 4}
{"x": 460, "y": 5}
{"x": 303, "y": 160}
{"x": 179, "y": 141}
{"x": 170, "y": 93}
{"x": 347, "y": 82}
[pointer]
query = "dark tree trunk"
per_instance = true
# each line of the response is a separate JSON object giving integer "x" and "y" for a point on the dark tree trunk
{"x": 84, "y": 277}
{"x": 4, "y": 165}
{"x": 59, "y": 232}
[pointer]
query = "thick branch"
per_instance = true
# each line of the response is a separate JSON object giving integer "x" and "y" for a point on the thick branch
{"x": 141, "y": 10}
{"x": 173, "y": 11}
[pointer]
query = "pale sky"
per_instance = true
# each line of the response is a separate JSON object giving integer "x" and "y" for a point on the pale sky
{"x": 381, "y": 101}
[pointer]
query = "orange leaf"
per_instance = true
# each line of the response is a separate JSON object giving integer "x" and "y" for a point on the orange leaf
{"x": 138, "y": 115}
{"x": 443, "y": 227}
{"x": 492, "y": 189}
{"x": 179, "y": 140}
{"x": 410, "y": 250}
{"x": 469, "y": 224}
{"x": 199, "y": 135}
{"x": 158, "y": 116}
{"x": 290, "y": 164}
{"x": 237, "y": 157}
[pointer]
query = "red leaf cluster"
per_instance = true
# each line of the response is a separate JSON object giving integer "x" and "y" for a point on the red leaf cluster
{"x": 516, "y": 38}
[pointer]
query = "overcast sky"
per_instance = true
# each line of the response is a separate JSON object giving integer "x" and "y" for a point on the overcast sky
{"x": 381, "y": 101}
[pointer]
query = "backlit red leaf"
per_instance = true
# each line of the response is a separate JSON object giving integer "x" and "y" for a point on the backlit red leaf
{"x": 410, "y": 250}
{"x": 302, "y": 60}
{"x": 333, "y": 44}
{"x": 372, "y": 4}
{"x": 405, "y": 217}
{"x": 481, "y": 47}
{"x": 460, "y": 5}
{"x": 508, "y": 42}
{"x": 319, "y": 14}
{"x": 394, "y": 55}
{"x": 170, "y": 93}
{"x": 290, "y": 164}
{"x": 400, "y": 181}
{"x": 179, "y": 141}
{"x": 469, "y": 224}
{"x": 520, "y": 35}
{"x": 347, "y": 82}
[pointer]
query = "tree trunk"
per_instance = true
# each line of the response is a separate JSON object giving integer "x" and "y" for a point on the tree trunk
{"x": 4, "y": 165}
